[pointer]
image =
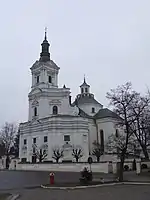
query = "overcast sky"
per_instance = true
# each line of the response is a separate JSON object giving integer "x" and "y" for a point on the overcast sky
{"x": 108, "y": 41}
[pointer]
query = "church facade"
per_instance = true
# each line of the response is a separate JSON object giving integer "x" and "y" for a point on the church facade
{"x": 55, "y": 122}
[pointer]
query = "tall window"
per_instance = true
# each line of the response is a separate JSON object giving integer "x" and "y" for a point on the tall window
{"x": 37, "y": 79}
{"x": 86, "y": 90}
{"x": 49, "y": 79}
{"x": 25, "y": 141}
{"x": 55, "y": 110}
{"x": 35, "y": 111}
{"x": 93, "y": 110}
{"x": 45, "y": 138}
{"x": 34, "y": 140}
{"x": 82, "y": 90}
{"x": 102, "y": 139}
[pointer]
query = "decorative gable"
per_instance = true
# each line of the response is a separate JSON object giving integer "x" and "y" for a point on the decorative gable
{"x": 34, "y": 91}
{"x": 35, "y": 103}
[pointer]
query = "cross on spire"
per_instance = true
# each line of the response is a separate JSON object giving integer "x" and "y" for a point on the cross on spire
{"x": 45, "y": 33}
{"x": 84, "y": 79}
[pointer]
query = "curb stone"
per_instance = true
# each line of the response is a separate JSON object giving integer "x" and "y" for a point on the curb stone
{"x": 136, "y": 183}
{"x": 81, "y": 187}
{"x": 94, "y": 186}
{"x": 13, "y": 197}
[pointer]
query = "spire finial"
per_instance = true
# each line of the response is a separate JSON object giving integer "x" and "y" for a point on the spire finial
{"x": 45, "y": 55}
{"x": 45, "y": 33}
{"x": 84, "y": 78}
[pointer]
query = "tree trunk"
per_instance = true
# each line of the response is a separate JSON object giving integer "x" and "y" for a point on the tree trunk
{"x": 7, "y": 162}
{"x": 57, "y": 159}
{"x": 143, "y": 145}
{"x": 77, "y": 159}
{"x": 98, "y": 158}
{"x": 121, "y": 168}
{"x": 40, "y": 158}
{"x": 145, "y": 153}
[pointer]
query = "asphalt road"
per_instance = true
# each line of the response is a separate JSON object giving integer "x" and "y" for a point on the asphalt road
{"x": 122, "y": 192}
{"x": 26, "y": 179}
{"x": 25, "y": 182}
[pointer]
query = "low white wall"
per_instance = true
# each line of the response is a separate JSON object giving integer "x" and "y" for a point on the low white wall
{"x": 129, "y": 162}
{"x": 108, "y": 158}
{"x": 13, "y": 164}
{"x": 146, "y": 162}
{"x": 3, "y": 163}
{"x": 66, "y": 167}
{"x": 114, "y": 165}
{"x": 104, "y": 167}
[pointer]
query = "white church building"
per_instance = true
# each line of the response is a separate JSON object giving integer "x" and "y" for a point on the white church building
{"x": 56, "y": 122}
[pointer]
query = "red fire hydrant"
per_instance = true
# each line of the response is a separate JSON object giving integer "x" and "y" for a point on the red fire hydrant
{"x": 51, "y": 178}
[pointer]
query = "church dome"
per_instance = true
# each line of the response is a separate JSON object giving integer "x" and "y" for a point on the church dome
{"x": 85, "y": 99}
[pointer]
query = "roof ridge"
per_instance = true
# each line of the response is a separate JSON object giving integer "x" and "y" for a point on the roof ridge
{"x": 105, "y": 113}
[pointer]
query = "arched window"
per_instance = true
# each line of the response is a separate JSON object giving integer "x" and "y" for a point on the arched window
{"x": 93, "y": 110}
{"x": 82, "y": 90}
{"x": 102, "y": 140}
{"x": 37, "y": 79}
{"x": 35, "y": 111}
{"x": 55, "y": 110}
{"x": 117, "y": 133}
{"x": 49, "y": 79}
{"x": 86, "y": 90}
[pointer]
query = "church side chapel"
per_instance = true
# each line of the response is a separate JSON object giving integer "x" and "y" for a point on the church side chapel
{"x": 58, "y": 129}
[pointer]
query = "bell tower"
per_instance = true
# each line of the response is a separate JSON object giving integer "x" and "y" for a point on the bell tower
{"x": 44, "y": 71}
{"x": 85, "y": 88}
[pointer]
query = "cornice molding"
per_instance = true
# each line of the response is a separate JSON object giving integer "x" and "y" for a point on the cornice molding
{"x": 47, "y": 65}
{"x": 53, "y": 129}
{"x": 55, "y": 102}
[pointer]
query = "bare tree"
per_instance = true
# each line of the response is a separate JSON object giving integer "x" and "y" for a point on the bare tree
{"x": 121, "y": 99}
{"x": 57, "y": 153}
{"x": 2, "y": 149}
{"x": 77, "y": 153}
{"x": 141, "y": 126}
{"x": 97, "y": 150}
{"x": 7, "y": 135}
{"x": 117, "y": 143}
{"x": 14, "y": 150}
{"x": 40, "y": 153}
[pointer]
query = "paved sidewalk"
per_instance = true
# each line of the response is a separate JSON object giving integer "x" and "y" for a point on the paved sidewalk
{"x": 132, "y": 176}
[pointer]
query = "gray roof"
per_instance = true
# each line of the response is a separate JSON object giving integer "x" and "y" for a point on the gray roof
{"x": 85, "y": 99}
{"x": 105, "y": 113}
{"x": 102, "y": 113}
{"x": 84, "y": 84}
{"x": 83, "y": 114}
{"x": 39, "y": 63}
